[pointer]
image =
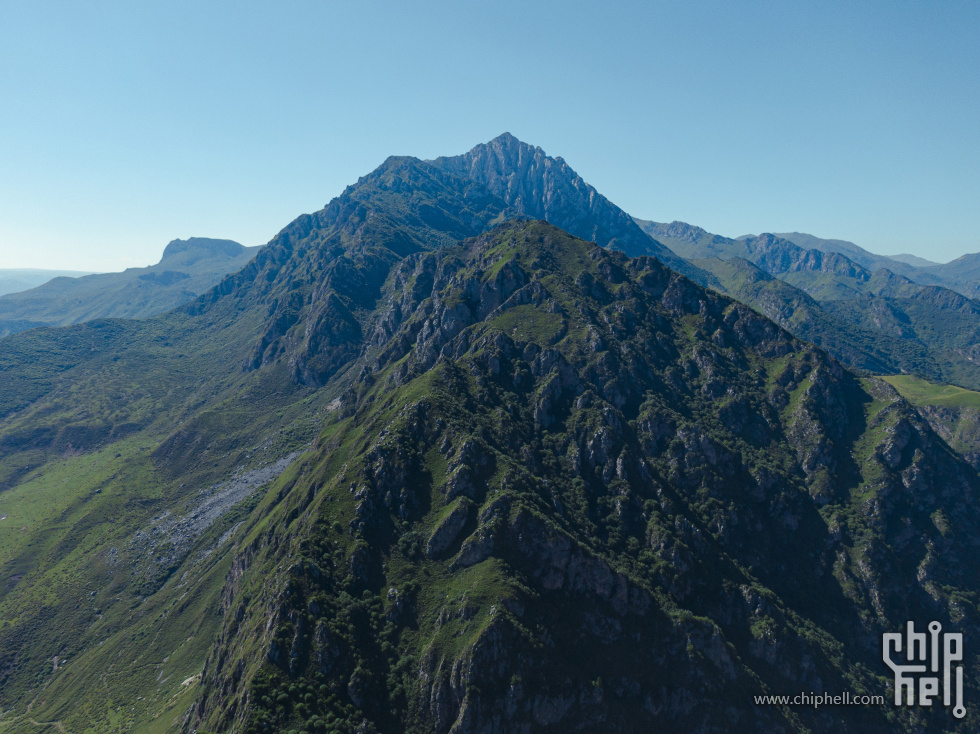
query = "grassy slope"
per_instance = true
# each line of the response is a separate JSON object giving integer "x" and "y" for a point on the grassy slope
{"x": 152, "y": 413}
{"x": 311, "y": 544}
{"x": 802, "y": 315}
{"x": 877, "y": 321}
{"x": 931, "y": 332}
{"x": 954, "y": 413}
{"x": 193, "y": 418}
{"x": 133, "y": 422}
{"x": 922, "y": 392}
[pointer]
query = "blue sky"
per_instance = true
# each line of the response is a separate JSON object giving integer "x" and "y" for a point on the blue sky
{"x": 124, "y": 125}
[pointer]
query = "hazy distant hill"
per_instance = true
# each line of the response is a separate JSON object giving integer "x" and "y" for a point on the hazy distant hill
{"x": 914, "y": 260}
{"x": 862, "y": 257}
{"x": 187, "y": 269}
{"x": 13, "y": 280}
{"x": 691, "y": 242}
{"x": 963, "y": 273}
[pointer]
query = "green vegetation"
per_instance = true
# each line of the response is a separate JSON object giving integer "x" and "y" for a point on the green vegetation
{"x": 516, "y": 481}
{"x": 558, "y": 509}
{"x": 529, "y": 324}
{"x": 871, "y": 319}
{"x": 922, "y": 392}
{"x": 187, "y": 269}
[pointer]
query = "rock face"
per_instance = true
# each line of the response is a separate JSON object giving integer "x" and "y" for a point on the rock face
{"x": 543, "y": 487}
{"x": 448, "y": 530}
{"x": 584, "y": 494}
{"x": 321, "y": 274}
{"x": 542, "y": 187}
{"x": 870, "y": 318}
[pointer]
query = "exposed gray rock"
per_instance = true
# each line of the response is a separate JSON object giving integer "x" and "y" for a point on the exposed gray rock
{"x": 448, "y": 530}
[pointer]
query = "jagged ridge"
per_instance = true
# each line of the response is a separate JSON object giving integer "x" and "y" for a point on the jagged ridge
{"x": 557, "y": 488}
{"x": 555, "y": 504}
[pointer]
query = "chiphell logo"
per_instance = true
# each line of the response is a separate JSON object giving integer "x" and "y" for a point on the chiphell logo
{"x": 926, "y": 656}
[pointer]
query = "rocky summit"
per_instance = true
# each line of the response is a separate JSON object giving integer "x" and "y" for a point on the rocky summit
{"x": 430, "y": 463}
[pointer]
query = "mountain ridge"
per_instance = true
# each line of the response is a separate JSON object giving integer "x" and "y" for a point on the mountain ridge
{"x": 542, "y": 187}
{"x": 186, "y": 269}
{"x": 14, "y": 280}
{"x": 534, "y": 485}
{"x": 206, "y": 246}
{"x": 879, "y": 320}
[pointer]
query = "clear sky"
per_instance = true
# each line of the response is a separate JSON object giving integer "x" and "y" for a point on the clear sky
{"x": 124, "y": 125}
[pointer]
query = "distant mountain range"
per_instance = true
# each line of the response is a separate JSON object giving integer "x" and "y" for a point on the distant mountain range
{"x": 429, "y": 463}
{"x": 878, "y": 321}
{"x": 859, "y": 255}
{"x": 187, "y": 269}
{"x": 21, "y": 279}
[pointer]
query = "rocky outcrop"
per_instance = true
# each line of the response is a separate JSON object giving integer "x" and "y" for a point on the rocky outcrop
{"x": 542, "y": 187}
{"x": 448, "y": 530}
{"x": 588, "y": 502}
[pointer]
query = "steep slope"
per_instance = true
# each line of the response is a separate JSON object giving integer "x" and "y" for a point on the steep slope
{"x": 825, "y": 275}
{"x": 542, "y": 187}
{"x": 857, "y": 346}
{"x": 876, "y": 321}
{"x": 382, "y": 480}
{"x": 131, "y": 451}
{"x": 694, "y": 243}
{"x": 320, "y": 277}
{"x": 963, "y": 274}
{"x": 946, "y": 323}
{"x": 556, "y": 503}
{"x": 953, "y": 413}
{"x": 187, "y": 269}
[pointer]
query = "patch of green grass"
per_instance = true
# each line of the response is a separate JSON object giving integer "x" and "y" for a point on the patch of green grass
{"x": 923, "y": 392}
{"x": 528, "y": 324}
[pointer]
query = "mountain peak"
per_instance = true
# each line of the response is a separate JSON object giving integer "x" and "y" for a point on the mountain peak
{"x": 509, "y": 140}
{"x": 506, "y": 155}
{"x": 203, "y": 246}
{"x": 541, "y": 187}
{"x": 675, "y": 230}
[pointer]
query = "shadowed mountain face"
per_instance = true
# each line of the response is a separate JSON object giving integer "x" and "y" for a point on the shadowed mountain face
{"x": 318, "y": 278}
{"x": 421, "y": 467}
{"x": 414, "y": 205}
{"x": 187, "y": 269}
{"x": 878, "y": 321}
{"x": 572, "y": 448}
